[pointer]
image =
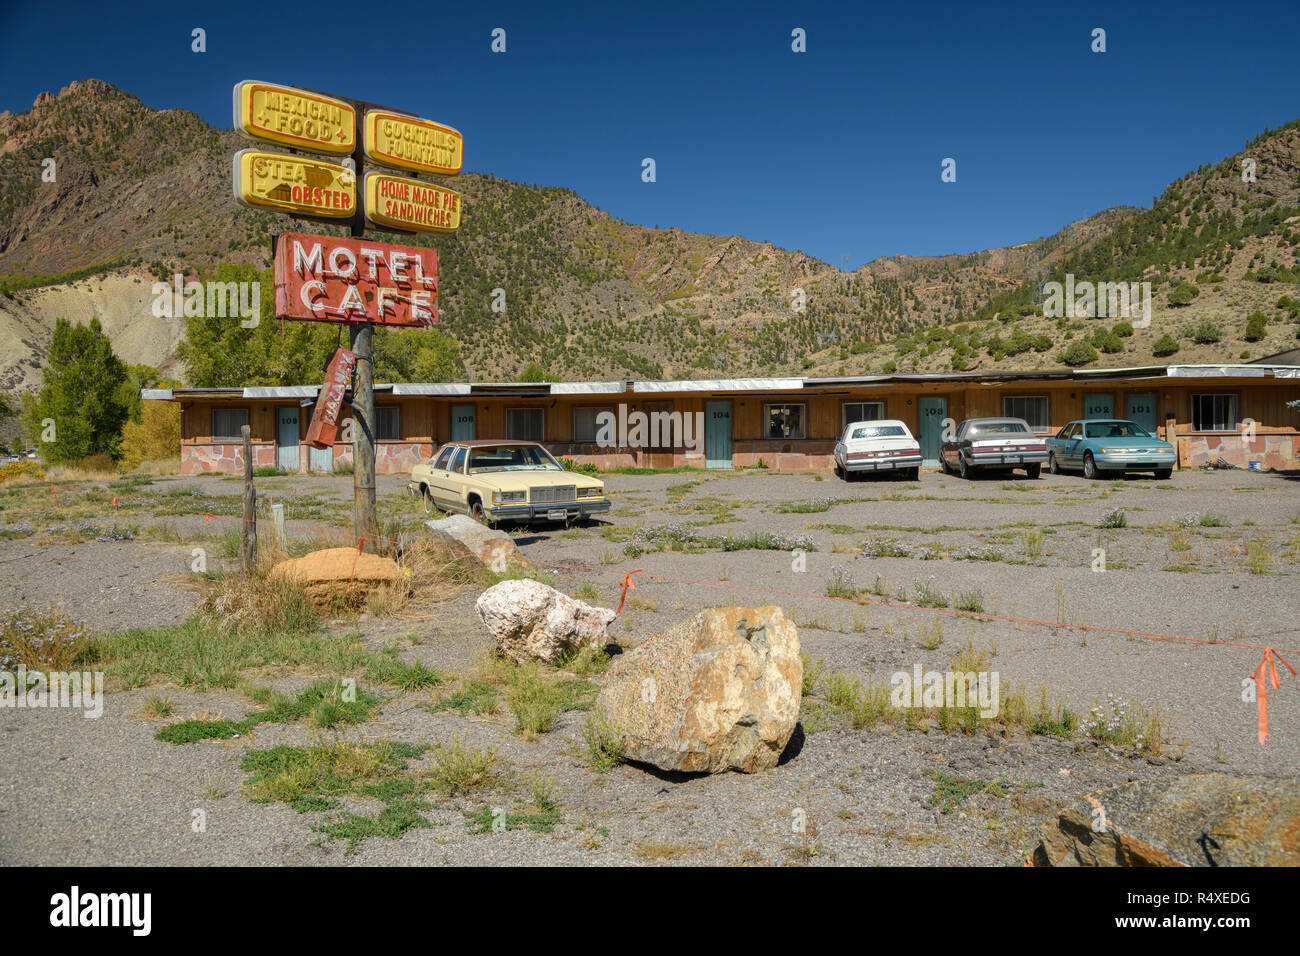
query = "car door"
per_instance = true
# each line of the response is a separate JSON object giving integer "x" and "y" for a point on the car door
{"x": 438, "y": 474}
{"x": 452, "y": 482}
{"x": 1074, "y": 446}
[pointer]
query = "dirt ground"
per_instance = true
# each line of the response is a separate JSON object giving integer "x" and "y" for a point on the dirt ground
{"x": 1209, "y": 556}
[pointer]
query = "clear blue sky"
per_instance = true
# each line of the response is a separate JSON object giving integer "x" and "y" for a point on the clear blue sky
{"x": 835, "y": 151}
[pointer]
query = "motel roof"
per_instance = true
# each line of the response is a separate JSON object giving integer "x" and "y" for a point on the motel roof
{"x": 621, "y": 386}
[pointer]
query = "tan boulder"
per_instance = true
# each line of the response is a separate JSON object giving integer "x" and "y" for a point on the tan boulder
{"x": 336, "y": 574}
{"x": 717, "y": 692}
{"x": 533, "y": 621}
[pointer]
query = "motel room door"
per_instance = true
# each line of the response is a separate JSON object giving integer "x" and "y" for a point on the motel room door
{"x": 286, "y": 438}
{"x": 1099, "y": 406}
{"x": 932, "y": 412}
{"x": 1141, "y": 409}
{"x": 717, "y": 434}
{"x": 462, "y": 423}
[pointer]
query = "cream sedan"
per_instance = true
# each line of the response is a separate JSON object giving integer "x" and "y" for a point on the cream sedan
{"x": 505, "y": 481}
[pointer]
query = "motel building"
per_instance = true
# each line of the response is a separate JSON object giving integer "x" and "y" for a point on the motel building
{"x": 786, "y": 424}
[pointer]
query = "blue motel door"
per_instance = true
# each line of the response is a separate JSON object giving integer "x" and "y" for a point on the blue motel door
{"x": 717, "y": 434}
{"x": 286, "y": 438}
{"x": 932, "y": 412}
{"x": 462, "y": 423}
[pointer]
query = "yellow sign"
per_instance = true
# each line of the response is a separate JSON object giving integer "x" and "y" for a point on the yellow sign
{"x": 410, "y": 204}
{"x": 290, "y": 117}
{"x": 295, "y": 184}
{"x": 408, "y": 142}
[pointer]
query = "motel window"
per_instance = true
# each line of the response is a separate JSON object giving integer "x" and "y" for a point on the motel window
{"x": 786, "y": 420}
{"x": 861, "y": 412}
{"x": 585, "y": 424}
{"x": 524, "y": 424}
{"x": 1214, "y": 413}
{"x": 227, "y": 422}
{"x": 388, "y": 422}
{"x": 1032, "y": 408}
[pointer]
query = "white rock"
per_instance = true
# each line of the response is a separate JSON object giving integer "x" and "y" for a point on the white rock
{"x": 464, "y": 535}
{"x": 533, "y": 621}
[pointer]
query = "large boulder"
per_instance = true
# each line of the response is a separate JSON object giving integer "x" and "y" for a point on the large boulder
{"x": 717, "y": 692}
{"x": 532, "y": 621}
{"x": 337, "y": 575}
{"x": 463, "y": 536}
{"x": 1210, "y": 819}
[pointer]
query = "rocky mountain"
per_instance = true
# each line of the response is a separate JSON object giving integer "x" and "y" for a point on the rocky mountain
{"x": 139, "y": 194}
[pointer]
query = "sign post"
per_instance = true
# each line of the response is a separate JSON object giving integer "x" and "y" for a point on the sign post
{"x": 325, "y": 279}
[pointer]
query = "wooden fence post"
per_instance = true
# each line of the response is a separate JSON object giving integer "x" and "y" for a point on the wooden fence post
{"x": 248, "y": 533}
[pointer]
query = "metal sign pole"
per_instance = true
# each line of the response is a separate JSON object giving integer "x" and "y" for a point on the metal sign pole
{"x": 361, "y": 335}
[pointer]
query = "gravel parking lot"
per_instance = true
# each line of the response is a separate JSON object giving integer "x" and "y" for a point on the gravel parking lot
{"x": 1209, "y": 556}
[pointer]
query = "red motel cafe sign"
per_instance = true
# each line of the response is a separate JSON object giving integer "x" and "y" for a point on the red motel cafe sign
{"x": 324, "y": 420}
{"x": 332, "y": 279}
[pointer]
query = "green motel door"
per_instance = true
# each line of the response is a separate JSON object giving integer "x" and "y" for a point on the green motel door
{"x": 462, "y": 423}
{"x": 286, "y": 438}
{"x": 717, "y": 434}
{"x": 1099, "y": 406}
{"x": 932, "y": 413}
{"x": 1141, "y": 409}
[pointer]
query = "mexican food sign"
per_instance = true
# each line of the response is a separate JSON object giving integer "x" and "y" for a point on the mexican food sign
{"x": 296, "y": 118}
{"x": 332, "y": 279}
{"x": 404, "y": 203}
{"x": 294, "y": 184}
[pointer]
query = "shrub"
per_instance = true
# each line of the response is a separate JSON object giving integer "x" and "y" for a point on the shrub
{"x": 1183, "y": 294}
{"x": 1207, "y": 333}
{"x": 1078, "y": 353}
{"x": 1256, "y": 326}
{"x": 1166, "y": 345}
{"x": 1122, "y": 329}
{"x": 40, "y": 641}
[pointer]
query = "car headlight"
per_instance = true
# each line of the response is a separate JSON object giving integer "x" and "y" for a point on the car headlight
{"x": 590, "y": 492}
{"x": 500, "y": 497}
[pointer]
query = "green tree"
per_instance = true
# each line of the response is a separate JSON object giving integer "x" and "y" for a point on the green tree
{"x": 1183, "y": 294}
{"x": 82, "y": 393}
{"x": 1166, "y": 345}
{"x": 1256, "y": 326}
{"x": 1078, "y": 353}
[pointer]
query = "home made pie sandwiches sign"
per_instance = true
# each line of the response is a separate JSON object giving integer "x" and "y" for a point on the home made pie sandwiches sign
{"x": 331, "y": 279}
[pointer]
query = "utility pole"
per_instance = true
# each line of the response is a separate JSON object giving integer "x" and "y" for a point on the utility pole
{"x": 361, "y": 338}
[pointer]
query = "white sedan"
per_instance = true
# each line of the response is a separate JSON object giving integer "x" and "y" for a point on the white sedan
{"x": 884, "y": 445}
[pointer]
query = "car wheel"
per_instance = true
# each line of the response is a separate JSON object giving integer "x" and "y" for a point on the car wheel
{"x": 914, "y": 474}
{"x": 1163, "y": 473}
{"x": 1089, "y": 467}
{"x": 429, "y": 507}
{"x": 943, "y": 466}
{"x": 1052, "y": 465}
{"x": 839, "y": 472}
{"x": 477, "y": 513}
{"x": 962, "y": 468}
{"x": 1033, "y": 471}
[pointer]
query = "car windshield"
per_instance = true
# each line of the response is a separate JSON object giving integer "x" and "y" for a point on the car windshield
{"x": 993, "y": 428}
{"x": 1115, "y": 430}
{"x": 879, "y": 431}
{"x": 511, "y": 458}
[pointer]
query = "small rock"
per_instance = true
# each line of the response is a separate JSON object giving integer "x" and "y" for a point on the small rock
{"x": 533, "y": 621}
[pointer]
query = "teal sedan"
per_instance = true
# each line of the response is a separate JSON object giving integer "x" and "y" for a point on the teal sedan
{"x": 1113, "y": 445}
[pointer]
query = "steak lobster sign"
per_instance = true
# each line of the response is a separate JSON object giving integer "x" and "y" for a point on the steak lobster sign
{"x": 332, "y": 279}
